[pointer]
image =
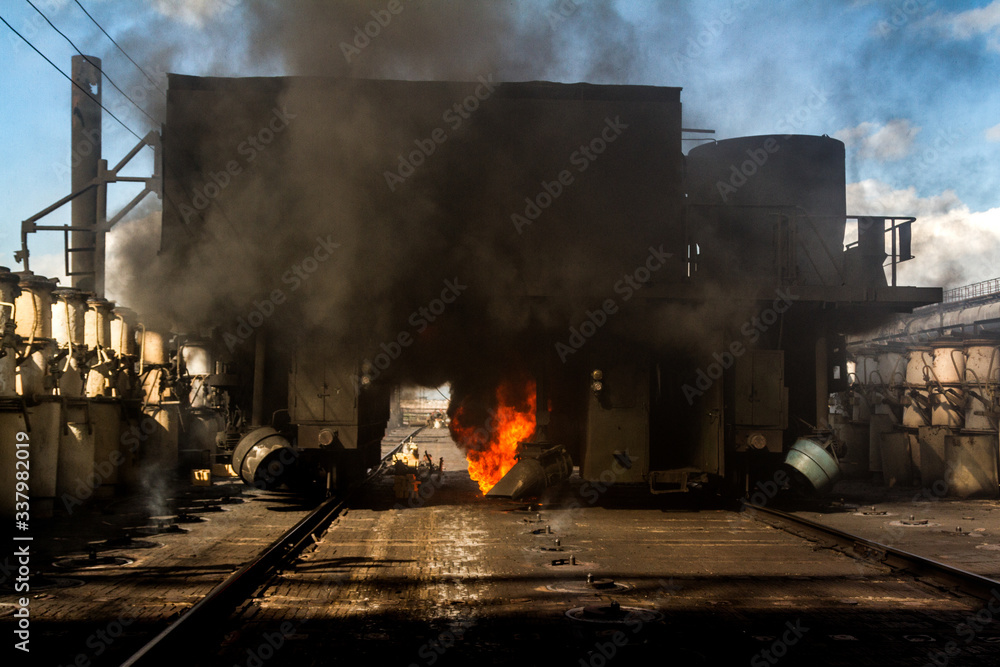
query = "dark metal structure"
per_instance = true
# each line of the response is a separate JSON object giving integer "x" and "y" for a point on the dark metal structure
{"x": 684, "y": 314}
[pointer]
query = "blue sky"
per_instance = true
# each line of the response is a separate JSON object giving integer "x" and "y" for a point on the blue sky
{"x": 911, "y": 87}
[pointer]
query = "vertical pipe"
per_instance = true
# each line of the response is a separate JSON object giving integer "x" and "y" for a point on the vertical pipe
{"x": 257, "y": 410}
{"x": 822, "y": 385}
{"x": 100, "y": 240}
{"x": 85, "y": 158}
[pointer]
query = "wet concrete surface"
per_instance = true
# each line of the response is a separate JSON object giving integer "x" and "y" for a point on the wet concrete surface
{"x": 452, "y": 578}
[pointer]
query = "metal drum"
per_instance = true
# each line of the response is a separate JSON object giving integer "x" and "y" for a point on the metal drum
{"x": 815, "y": 463}
{"x": 982, "y": 378}
{"x": 263, "y": 458}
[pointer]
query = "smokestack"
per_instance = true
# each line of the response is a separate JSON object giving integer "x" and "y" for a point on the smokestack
{"x": 85, "y": 158}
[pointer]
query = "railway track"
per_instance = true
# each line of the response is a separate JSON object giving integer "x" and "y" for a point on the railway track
{"x": 454, "y": 578}
{"x": 177, "y": 640}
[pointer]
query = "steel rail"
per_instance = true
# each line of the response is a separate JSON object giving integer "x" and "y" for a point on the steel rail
{"x": 170, "y": 644}
{"x": 922, "y": 568}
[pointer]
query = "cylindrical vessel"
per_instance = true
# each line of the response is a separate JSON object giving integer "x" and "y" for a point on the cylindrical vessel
{"x": 69, "y": 317}
{"x": 33, "y": 373}
{"x": 815, "y": 463}
{"x": 916, "y": 412}
{"x": 890, "y": 365}
{"x": 161, "y": 450}
{"x": 76, "y": 477}
{"x": 154, "y": 348}
{"x": 982, "y": 377}
{"x": 123, "y": 326}
{"x": 198, "y": 365}
{"x": 769, "y": 205}
{"x": 97, "y": 322}
{"x": 9, "y": 292}
{"x": 108, "y": 457}
{"x": 263, "y": 458}
{"x": 46, "y": 418}
{"x": 34, "y": 306}
{"x": 947, "y": 395}
{"x": 197, "y": 357}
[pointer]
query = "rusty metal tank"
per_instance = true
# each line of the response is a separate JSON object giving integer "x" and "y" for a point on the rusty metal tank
{"x": 772, "y": 206}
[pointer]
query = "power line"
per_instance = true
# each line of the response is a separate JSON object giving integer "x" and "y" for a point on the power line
{"x": 144, "y": 73}
{"x": 103, "y": 73}
{"x": 69, "y": 78}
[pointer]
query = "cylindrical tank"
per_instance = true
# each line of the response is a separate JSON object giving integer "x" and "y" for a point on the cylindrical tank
{"x": 97, "y": 322}
{"x": 75, "y": 476}
{"x": 161, "y": 450}
{"x": 198, "y": 364}
{"x": 9, "y": 292}
{"x": 69, "y": 316}
{"x": 33, "y": 373}
{"x": 108, "y": 457}
{"x": 915, "y": 413}
{"x": 982, "y": 377}
{"x": 771, "y": 205}
{"x": 815, "y": 463}
{"x": 34, "y": 306}
{"x": 197, "y": 357}
{"x": 947, "y": 396}
{"x": 123, "y": 327}
{"x": 46, "y": 420}
{"x": 154, "y": 348}
{"x": 890, "y": 365}
{"x": 202, "y": 430}
{"x": 866, "y": 366}
{"x": 263, "y": 458}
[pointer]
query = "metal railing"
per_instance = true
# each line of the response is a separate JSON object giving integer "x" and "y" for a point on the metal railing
{"x": 966, "y": 292}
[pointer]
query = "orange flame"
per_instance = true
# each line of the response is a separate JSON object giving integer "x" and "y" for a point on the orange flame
{"x": 491, "y": 448}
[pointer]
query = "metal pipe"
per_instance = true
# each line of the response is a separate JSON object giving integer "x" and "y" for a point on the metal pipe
{"x": 86, "y": 156}
{"x": 257, "y": 412}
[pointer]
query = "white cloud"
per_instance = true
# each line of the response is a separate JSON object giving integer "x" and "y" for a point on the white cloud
{"x": 193, "y": 12}
{"x": 993, "y": 134}
{"x": 884, "y": 143}
{"x": 972, "y": 23}
{"x": 953, "y": 245}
